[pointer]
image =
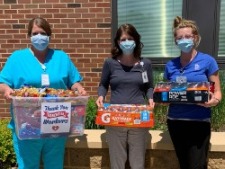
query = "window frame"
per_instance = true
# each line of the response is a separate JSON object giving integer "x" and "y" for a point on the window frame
{"x": 193, "y": 10}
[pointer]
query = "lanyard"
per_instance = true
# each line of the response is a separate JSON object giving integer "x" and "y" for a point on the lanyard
{"x": 43, "y": 67}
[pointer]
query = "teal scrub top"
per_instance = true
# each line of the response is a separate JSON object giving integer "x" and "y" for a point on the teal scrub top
{"x": 23, "y": 68}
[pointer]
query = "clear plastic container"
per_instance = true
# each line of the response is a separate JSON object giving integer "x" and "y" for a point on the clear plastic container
{"x": 47, "y": 117}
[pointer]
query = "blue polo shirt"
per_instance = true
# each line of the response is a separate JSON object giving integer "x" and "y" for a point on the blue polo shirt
{"x": 198, "y": 70}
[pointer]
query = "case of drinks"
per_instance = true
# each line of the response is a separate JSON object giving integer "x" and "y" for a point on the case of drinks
{"x": 125, "y": 115}
{"x": 172, "y": 92}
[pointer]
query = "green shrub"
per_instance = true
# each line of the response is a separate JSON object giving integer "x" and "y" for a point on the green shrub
{"x": 218, "y": 112}
{"x": 7, "y": 154}
{"x": 160, "y": 113}
{"x": 91, "y": 112}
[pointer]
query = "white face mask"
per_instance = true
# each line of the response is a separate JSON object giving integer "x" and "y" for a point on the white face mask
{"x": 127, "y": 46}
{"x": 40, "y": 42}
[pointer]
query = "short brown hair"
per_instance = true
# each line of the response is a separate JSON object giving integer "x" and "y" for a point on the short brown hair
{"x": 40, "y": 22}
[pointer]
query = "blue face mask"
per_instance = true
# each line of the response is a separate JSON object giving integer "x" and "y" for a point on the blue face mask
{"x": 127, "y": 46}
{"x": 185, "y": 45}
{"x": 40, "y": 42}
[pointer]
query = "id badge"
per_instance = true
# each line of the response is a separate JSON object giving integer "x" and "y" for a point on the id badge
{"x": 144, "y": 77}
{"x": 181, "y": 79}
{"x": 45, "y": 80}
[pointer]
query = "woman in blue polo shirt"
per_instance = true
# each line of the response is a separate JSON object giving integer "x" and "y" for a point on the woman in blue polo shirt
{"x": 39, "y": 66}
{"x": 189, "y": 124}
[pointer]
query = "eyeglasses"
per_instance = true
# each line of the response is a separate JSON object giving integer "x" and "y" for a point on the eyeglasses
{"x": 185, "y": 37}
{"x": 36, "y": 33}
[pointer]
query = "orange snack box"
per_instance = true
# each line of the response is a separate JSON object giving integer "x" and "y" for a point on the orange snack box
{"x": 125, "y": 115}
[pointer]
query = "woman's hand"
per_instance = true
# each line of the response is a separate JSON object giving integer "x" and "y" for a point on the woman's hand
{"x": 79, "y": 88}
{"x": 99, "y": 101}
{"x": 6, "y": 90}
{"x": 212, "y": 102}
{"x": 151, "y": 103}
{"x": 81, "y": 91}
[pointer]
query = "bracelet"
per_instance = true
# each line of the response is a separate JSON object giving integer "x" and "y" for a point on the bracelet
{"x": 216, "y": 99}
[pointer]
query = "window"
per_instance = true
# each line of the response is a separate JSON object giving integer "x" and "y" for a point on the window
{"x": 153, "y": 19}
{"x": 221, "y": 51}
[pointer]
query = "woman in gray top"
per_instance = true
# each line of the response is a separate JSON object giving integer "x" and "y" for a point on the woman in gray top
{"x": 131, "y": 82}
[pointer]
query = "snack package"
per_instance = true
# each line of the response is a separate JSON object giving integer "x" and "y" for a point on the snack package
{"x": 172, "y": 92}
{"x": 48, "y": 115}
{"x": 125, "y": 115}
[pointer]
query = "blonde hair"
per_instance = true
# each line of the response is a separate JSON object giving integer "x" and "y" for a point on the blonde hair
{"x": 179, "y": 22}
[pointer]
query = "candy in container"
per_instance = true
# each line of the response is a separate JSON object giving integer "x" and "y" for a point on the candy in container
{"x": 49, "y": 115}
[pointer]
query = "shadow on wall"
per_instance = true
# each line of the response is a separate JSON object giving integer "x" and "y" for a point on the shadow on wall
{"x": 165, "y": 157}
{"x": 82, "y": 156}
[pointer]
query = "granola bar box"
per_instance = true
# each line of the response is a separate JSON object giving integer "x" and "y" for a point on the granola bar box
{"x": 125, "y": 115}
{"x": 172, "y": 92}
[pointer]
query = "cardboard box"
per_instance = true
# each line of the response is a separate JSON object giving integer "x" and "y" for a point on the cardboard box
{"x": 171, "y": 92}
{"x": 46, "y": 117}
{"x": 125, "y": 115}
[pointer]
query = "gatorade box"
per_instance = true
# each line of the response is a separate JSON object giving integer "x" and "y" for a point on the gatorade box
{"x": 125, "y": 115}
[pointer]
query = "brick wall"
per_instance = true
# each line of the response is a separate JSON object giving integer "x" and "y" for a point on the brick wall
{"x": 82, "y": 28}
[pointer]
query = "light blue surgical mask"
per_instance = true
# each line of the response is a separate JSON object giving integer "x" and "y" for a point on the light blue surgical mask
{"x": 185, "y": 45}
{"x": 40, "y": 42}
{"x": 127, "y": 46}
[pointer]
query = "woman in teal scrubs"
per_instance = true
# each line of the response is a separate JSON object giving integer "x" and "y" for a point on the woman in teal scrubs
{"x": 39, "y": 66}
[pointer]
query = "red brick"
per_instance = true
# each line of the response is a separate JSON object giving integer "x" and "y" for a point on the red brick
{"x": 39, "y": 1}
{"x": 89, "y": 25}
{"x": 74, "y": 15}
{"x": 83, "y": 50}
{"x": 81, "y": 1}
{"x": 10, "y": 11}
{"x": 52, "y": 10}
{"x": 83, "y": 31}
{"x": 27, "y": 6}
{"x": 53, "y": 1}
{"x": 19, "y": 36}
{"x": 46, "y": 5}
{"x": 5, "y": 6}
{"x": 81, "y": 10}
{"x": 88, "y": 15}
{"x": 24, "y": 1}
{"x": 103, "y": 5}
{"x": 83, "y": 41}
{"x": 38, "y": 11}
{"x": 4, "y": 16}
{"x": 97, "y": 41}
{"x": 76, "y": 45}
{"x": 90, "y": 46}
{"x": 67, "y": 10}
{"x": 96, "y": 0}
{"x": 89, "y": 35}
{"x": 96, "y": 10}
{"x": 67, "y": 1}
{"x": 11, "y": 21}
{"x": 59, "y": 5}
{"x": 88, "y": 5}
{"x": 68, "y": 41}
